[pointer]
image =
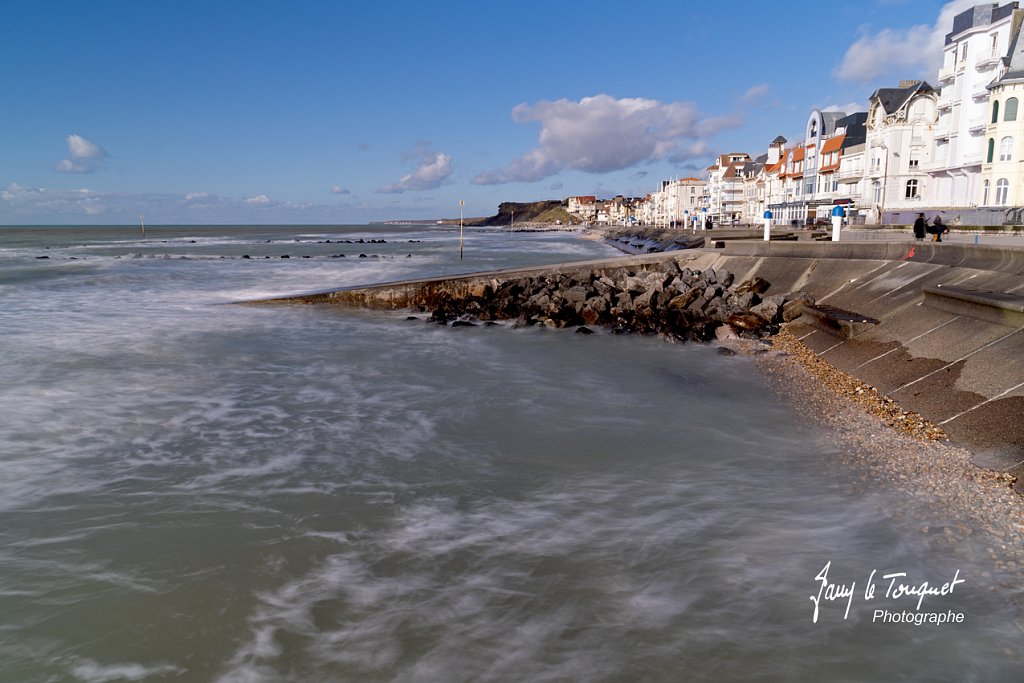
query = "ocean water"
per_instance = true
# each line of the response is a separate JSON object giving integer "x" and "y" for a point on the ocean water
{"x": 197, "y": 491}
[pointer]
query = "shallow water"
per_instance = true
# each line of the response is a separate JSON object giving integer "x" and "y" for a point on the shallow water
{"x": 197, "y": 492}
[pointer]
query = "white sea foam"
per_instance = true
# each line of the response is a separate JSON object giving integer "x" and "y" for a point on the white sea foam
{"x": 333, "y": 494}
{"x": 90, "y": 671}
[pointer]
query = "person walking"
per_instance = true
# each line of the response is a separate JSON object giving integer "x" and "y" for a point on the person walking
{"x": 919, "y": 227}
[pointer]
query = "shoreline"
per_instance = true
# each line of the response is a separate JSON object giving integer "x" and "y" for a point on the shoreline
{"x": 881, "y": 445}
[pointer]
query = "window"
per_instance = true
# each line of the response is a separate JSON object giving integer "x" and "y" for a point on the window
{"x": 914, "y": 163}
{"x": 995, "y": 111}
{"x": 1002, "y": 190}
{"x": 1010, "y": 114}
{"x": 911, "y": 189}
{"x": 877, "y": 189}
{"x": 984, "y": 193}
{"x": 1006, "y": 149}
{"x": 963, "y": 52}
{"x": 991, "y": 150}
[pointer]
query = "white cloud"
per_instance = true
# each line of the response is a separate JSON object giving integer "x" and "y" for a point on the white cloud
{"x": 19, "y": 203}
{"x": 84, "y": 156}
{"x": 910, "y": 52}
{"x": 848, "y": 108}
{"x": 338, "y": 189}
{"x": 434, "y": 169}
{"x": 754, "y": 94}
{"x": 36, "y": 200}
{"x": 600, "y": 134}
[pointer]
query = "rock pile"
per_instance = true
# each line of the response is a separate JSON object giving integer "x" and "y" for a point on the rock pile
{"x": 663, "y": 299}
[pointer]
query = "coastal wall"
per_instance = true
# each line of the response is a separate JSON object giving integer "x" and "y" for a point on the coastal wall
{"x": 949, "y": 341}
{"x": 944, "y": 330}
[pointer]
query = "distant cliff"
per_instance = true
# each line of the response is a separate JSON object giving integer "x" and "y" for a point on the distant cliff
{"x": 548, "y": 211}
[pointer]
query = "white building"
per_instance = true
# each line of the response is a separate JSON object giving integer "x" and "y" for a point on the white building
{"x": 675, "y": 202}
{"x": 899, "y": 148}
{"x": 725, "y": 188}
{"x": 973, "y": 52}
{"x": 584, "y": 206}
{"x": 1002, "y": 182}
{"x": 851, "y": 182}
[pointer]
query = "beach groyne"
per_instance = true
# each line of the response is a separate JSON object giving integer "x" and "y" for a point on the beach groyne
{"x": 938, "y": 327}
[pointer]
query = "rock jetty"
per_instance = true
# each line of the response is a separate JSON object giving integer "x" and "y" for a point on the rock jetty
{"x": 663, "y": 298}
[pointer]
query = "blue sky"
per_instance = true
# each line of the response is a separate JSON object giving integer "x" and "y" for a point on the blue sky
{"x": 341, "y": 112}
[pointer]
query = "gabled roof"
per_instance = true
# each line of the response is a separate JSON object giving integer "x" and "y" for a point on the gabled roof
{"x": 892, "y": 99}
{"x": 833, "y": 144}
{"x": 1014, "y": 59}
{"x": 828, "y": 121}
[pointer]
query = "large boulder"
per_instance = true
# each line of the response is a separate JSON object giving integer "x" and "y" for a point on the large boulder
{"x": 747, "y": 322}
{"x": 794, "y": 307}
{"x": 575, "y": 295}
{"x": 756, "y": 284}
{"x": 766, "y": 309}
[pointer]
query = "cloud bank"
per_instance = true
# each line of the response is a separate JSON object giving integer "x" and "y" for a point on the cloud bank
{"x": 913, "y": 52}
{"x": 600, "y": 134}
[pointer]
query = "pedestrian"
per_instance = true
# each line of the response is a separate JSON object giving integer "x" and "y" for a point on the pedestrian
{"x": 919, "y": 227}
{"x": 937, "y": 229}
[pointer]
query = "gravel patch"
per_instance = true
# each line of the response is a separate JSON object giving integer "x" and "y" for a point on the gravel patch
{"x": 971, "y": 509}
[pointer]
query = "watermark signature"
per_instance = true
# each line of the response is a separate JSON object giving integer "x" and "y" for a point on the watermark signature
{"x": 898, "y": 586}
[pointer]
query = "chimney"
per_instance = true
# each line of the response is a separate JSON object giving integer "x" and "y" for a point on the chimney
{"x": 909, "y": 84}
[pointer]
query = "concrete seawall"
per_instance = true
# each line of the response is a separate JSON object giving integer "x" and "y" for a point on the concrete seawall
{"x": 946, "y": 337}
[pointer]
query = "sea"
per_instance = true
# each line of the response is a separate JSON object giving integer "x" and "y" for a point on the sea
{"x": 197, "y": 490}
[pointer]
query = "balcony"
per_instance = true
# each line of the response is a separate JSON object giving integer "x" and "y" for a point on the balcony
{"x": 980, "y": 93}
{"x": 945, "y": 104}
{"x": 946, "y": 76}
{"x": 977, "y": 124}
{"x": 987, "y": 62}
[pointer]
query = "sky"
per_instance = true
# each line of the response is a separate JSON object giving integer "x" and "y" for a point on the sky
{"x": 335, "y": 112}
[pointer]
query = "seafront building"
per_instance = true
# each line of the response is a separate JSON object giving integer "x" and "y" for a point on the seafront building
{"x": 725, "y": 188}
{"x": 1002, "y": 183}
{"x": 585, "y": 207}
{"x": 899, "y": 151}
{"x": 974, "y": 54}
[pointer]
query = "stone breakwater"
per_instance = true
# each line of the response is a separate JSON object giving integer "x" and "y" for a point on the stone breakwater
{"x": 662, "y": 298}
